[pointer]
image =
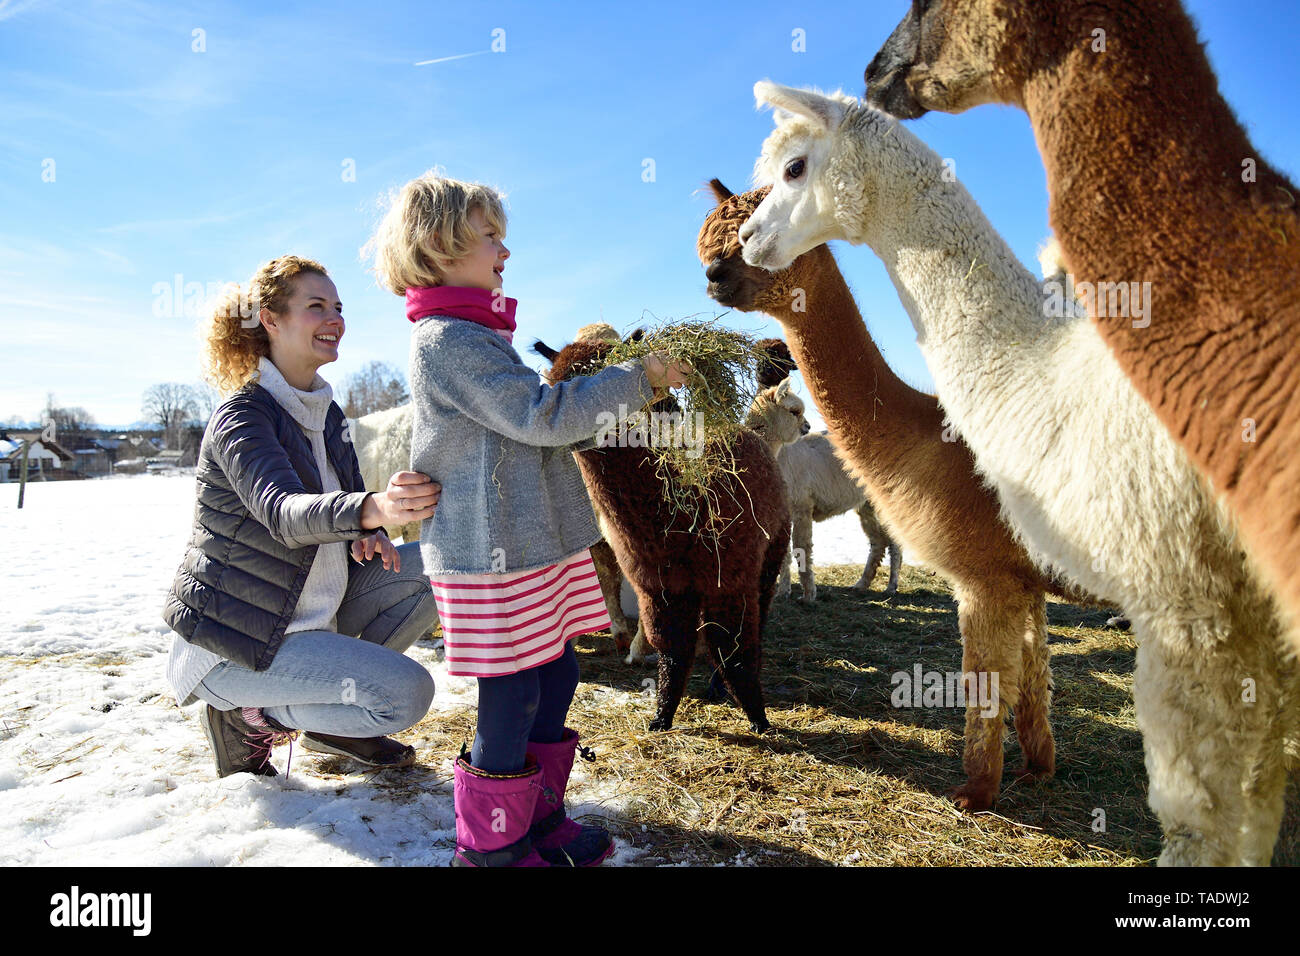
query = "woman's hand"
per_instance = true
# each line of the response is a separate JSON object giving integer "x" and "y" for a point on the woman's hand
{"x": 410, "y": 496}
{"x": 664, "y": 371}
{"x": 363, "y": 549}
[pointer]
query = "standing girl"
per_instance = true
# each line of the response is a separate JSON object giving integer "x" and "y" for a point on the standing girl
{"x": 507, "y": 548}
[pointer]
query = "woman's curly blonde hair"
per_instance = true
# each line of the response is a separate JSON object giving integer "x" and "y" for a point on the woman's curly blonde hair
{"x": 233, "y": 335}
{"x": 427, "y": 228}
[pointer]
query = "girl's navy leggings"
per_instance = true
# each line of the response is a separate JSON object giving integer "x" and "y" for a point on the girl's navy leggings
{"x": 517, "y": 708}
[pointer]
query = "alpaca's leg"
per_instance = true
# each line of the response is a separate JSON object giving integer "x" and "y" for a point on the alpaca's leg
{"x": 1200, "y": 736}
{"x": 640, "y": 649}
{"x": 992, "y": 625}
{"x": 1265, "y": 784}
{"x": 783, "y": 589}
{"x": 775, "y": 557}
{"x": 670, "y": 622}
{"x": 611, "y": 589}
{"x": 803, "y": 525}
{"x": 895, "y": 563}
{"x": 730, "y": 623}
{"x": 1033, "y": 712}
{"x": 878, "y": 541}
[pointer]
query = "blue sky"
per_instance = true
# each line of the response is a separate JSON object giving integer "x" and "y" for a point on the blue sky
{"x": 128, "y": 157}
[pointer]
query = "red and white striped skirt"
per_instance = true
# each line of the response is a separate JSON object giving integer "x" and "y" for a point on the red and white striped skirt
{"x": 498, "y": 624}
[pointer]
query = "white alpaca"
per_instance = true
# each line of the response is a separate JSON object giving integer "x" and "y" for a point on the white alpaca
{"x": 382, "y": 441}
{"x": 1089, "y": 478}
{"x": 819, "y": 486}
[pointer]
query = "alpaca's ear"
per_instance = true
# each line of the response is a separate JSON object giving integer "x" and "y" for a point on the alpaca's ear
{"x": 720, "y": 192}
{"x": 783, "y": 389}
{"x": 1051, "y": 259}
{"x": 545, "y": 351}
{"x": 816, "y": 107}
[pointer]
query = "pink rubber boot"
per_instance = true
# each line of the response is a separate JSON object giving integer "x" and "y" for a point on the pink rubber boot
{"x": 493, "y": 814}
{"x": 559, "y": 840}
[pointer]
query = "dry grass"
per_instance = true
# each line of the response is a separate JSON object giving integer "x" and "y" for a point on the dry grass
{"x": 843, "y": 776}
{"x": 692, "y": 457}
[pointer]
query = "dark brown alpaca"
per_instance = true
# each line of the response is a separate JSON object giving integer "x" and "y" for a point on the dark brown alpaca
{"x": 779, "y": 363}
{"x": 1152, "y": 180}
{"x": 691, "y": 583}
{"x": 921, "y": 479}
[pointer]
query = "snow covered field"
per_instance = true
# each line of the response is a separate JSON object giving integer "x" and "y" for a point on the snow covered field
{"x": 98, "y": 766}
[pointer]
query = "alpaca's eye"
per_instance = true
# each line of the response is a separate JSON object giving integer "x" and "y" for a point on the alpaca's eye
{"x": 794, "y": 169}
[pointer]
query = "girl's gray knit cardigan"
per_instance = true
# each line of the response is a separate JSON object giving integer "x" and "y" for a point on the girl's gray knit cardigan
{"x": 499, "y": 441}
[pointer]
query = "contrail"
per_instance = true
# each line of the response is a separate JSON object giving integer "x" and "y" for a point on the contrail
{"x": 458, "y": 56}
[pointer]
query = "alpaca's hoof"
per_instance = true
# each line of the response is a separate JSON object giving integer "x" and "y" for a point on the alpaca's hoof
{"x": 862, "y": 587}
{"x": 644, "y": 659}
{"x": 760, "y": 726}
{"x": 661, "y": 723}
{"x": 974, "y": 797}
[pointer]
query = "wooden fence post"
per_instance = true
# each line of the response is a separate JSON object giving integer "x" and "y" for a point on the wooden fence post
{"x": 22, "y": 472}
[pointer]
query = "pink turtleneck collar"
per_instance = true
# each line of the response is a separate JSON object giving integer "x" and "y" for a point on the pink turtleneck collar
{"x": 486, "y": 307}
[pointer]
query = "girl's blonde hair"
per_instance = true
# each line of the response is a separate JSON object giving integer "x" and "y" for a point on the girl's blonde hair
{"x": 233, "y": 335}
{"x": 427, "y": 228}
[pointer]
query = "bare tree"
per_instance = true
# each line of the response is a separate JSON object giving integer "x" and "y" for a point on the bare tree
{"x": 68, "y": 422}
{"x": 376, "y": 387}
{"x": 206, "y": 400}
{"x": 171, "y": 405}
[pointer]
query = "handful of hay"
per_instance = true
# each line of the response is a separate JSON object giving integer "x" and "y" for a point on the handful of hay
{"x": 693, "y": 447}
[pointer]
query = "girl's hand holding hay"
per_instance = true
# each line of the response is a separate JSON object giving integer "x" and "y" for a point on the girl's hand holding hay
{"x": 665, "y": 372}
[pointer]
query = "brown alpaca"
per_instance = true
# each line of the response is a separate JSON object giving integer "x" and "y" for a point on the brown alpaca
{"x": 691, "y": 582}
{"x": 921, "y": 479}
{"x": 1152, "y": 180}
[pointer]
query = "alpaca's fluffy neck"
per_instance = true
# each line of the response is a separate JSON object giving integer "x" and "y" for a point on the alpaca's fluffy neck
{"x": 1138, "y": 142}
{"x": 949, "y": 265}
{"x": 829, "y": 340}
{"x": 892, "y": 435}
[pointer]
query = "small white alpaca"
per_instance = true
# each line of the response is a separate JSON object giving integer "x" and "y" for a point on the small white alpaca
{"x": 1090, "y": 479}
{"x": 819, "y": 486}
{"x": 382, "y": 441}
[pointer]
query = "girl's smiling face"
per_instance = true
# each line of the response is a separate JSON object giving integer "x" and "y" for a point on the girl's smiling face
{"x": 483, "y": 266}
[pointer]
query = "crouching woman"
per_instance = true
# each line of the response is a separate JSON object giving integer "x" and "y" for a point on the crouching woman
{"x": 266, "y": 606}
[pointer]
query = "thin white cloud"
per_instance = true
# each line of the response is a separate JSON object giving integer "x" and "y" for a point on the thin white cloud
{"x": 11, "y": 8}
{"x": 444, "y": 59}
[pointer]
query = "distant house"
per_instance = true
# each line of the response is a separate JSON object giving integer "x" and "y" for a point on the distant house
{"x": 45, "y": 459}
{"x": 7, "y": 447}
{"x": 93, "y": 459}
{"x": 167, "y": 460}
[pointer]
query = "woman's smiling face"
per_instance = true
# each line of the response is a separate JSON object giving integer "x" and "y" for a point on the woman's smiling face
{"x": 482, "y": 267}
{"x": 307, "y": 333}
